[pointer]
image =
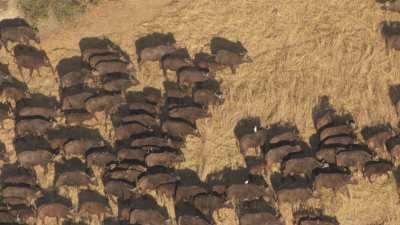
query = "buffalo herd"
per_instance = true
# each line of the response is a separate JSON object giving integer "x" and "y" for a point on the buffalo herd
{"x": 121, "y": 179}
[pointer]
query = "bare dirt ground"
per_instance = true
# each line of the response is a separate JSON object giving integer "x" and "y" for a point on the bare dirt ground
{"x": 8, "y": 9}
{"x": 302, "y": 50}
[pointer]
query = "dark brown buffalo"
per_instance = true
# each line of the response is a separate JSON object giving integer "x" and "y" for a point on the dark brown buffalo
{"x": 378, "y": 141}
{"x": 30, "y": 58}
{"x": 71, "y": 173}
{"x": 40, "y": 106}
{"x": 152, "y": 95}
{"x": 173, "y": 62}
{"x": 178, "y": 102}
{"x": 6, "y": 217}
{"x": 207, "y": 97}
{"x": 30, "y": 111}
{"x": 125, "y": 131}
{"x": 174, "y": 90}
{"x": 252, "y": 140}
{"x": 219, "y": 189}
{"x": 325, "y": 119}
{"x": 147, "y": 217}
{"x": 189, "y": 75}
{"x": 392, "y": 6}
{"x": 179, "y": 128}
{"x": 205, "y": 61}
{"x": 376, "y": 168}
{"x": 34, "y": 126}
{"x": 152, "y": 141}
{"x": 189, "y": 113}
{"x": 291, "y": 195}
{"x": 326, "y": 154}
{"x": 152, "y": 181}
{"x": 34, "y": 157}
{"x": 167, "y": 159}
{"x": 100, "y": 156}
{"x": 288, "y": 136}
{"x": 13, "y": 92}
{"x": 23, "y": 212}
{"x": 336, "y": 131}
{"x": 18, "y": 34}
{"x": 167, "y": 190}
{"x": 257, "y": 169}
{"x": 145, "y": 119}
{"x": 53, "y": 210}
{"x": 73, "y": 178}
{"x": 259, "y": 218}
{"x": 74, "y": 97}
{"x": 316, "y": 221}
{"x": 118, "y": 188}
{"x": 118, "y": 82}
{"x": 78, "y": 147}
{"x": 192, "y": 220}
{"x": 339, "y": 140}
{"x": 91, "y": 51}
{"x": 131, "y": 154}
{"x": 353, "y": 158}
{"x": 13, "y": 174}
{"x": 110, "y": 66}
{"x": 144, "y": 106}
{"x": 208, "y": 203}
{"x": 389, "y": 32}
{"x": 128, "y": 171}
{"x": 186, "y": 193}
{"x": 60, "y": 136}
{"x": 245, "y": 192}
{"x": 299, "y": 166}
{"x": 103, "y": 102}
{"x": 76, "y": 117}
{"x": 95, "y": 59}
{"x": 395, "y": 152}
{"x": 334, "y": 181}
{"x": 92, "y": 203}
{"x": 13, "y": 201}
{"x": 277, "y": 154}
{"x": 74, "y": 78}
{"x": 33, "y": 151}
{"x": 5, "y": 113}
{"x": 231, "y": 59}
{"x": 154, "y": 53}
{"x": 20, "y": 191}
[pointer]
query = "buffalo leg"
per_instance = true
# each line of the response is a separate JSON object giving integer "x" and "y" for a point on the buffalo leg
{"x": 165, "y": 73}
{"x": 25, "y": 41}
{"x": 38, "y": 72}
{"x": 140, "y": 65}
{"x": 5, "y": 43}
{"x": 21, "y": 72}
{"x": 233, "y": 69}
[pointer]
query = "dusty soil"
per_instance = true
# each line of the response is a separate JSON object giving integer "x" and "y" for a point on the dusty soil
{"x": 302, "y": 50}
{"x": 8, "y": 8}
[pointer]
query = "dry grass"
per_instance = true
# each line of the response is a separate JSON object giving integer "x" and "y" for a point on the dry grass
{"x": 302, "y": 50}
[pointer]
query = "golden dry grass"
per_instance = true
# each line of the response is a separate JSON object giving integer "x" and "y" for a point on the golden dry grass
{"x": 302, "y": 50}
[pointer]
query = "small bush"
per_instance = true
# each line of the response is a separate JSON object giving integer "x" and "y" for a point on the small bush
{"x": 34, "y": 10}
{"x": 66, "y": 9}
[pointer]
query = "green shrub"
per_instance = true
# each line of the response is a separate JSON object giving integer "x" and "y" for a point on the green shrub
{"x": 64, "y": 10}
{"x": 34, "y": 10}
